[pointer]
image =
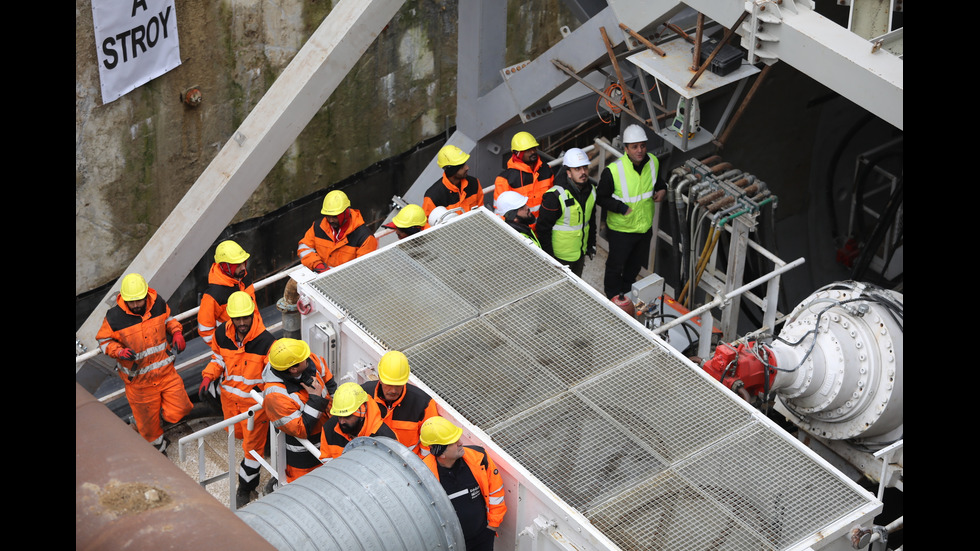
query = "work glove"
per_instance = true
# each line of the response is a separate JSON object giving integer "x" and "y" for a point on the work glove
{"x": 179, "y": 341}
{"x": 205, "y": 384}
{"x": 320, "y": 268}
{"x": 127, "y": 354}
{"x": 590, "y": 253}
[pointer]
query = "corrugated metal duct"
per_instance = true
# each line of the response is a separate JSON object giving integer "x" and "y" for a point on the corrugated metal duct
{"x": 378, "y": 495}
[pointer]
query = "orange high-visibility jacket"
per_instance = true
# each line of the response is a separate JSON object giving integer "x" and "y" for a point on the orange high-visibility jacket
{"x": 240, "y": 364}
{"x": 321, "y": 244}
{"x": 214, "y": 301}
{"x": 292, "y": 409}
{"x": 531, "y": 183}
{"x": 406, "y": 414}
{"x": 333, "y": 440}
{"x": 444, "y": 194}
{"x": 145, "y": 335}
{"x": 486, "y": 475}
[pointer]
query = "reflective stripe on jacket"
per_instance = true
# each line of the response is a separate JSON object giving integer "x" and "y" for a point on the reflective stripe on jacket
{"x": 333, "y": 440}
{"x": 239, "y": 367}
{"x": 321, "y": 244}
{"x": 531, "y": 183}
{"x": 569, "y": 237}
{"x": 295, "y": 412}
{"x": 486, "y": 475}
{"x": 635, "y": 191}
{"x": 145, "y": 335}
{"x": 444, "y": 194}
{"x": 214, "y": 301}
{"x": 406, "y": 414}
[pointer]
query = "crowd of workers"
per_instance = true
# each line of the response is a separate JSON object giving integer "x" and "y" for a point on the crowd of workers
{"x": 556, "y": 212}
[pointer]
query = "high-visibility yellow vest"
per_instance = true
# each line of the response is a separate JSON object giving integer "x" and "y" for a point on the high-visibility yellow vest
{"x": 636, "y": 191}
{"x": 569, "y": 236}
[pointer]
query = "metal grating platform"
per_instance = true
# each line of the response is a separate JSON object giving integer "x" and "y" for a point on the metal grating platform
{"x": 623, "y": 430}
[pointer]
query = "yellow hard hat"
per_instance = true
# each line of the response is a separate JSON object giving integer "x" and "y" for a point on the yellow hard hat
{"x": 240, "y": 304}
{"x": 450, "y": 155}
{"x": 439, "y": 431}
{"x": 410, "y": 216}
{"x": 133, "y": 287}
{"x": 335, "y": 203}
{"x": 286, "y": 353}
{"x": 230, "y": 252}
{"x": 522, "y": 141}
{"x": 348, "y": 398}
{"x": 393, "y": 368}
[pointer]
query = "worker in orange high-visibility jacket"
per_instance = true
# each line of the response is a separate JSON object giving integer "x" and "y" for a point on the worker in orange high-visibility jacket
{"x": 403, "y": 407}
{"x": 229, "y": 273}
{"x": 353, "y": 413}
{"x": 471, "y": 481}
{"x": 296, "y": 398}
{"x": 526, "y": 173}
{"x": 410, "y": 220}
{"x": 240, "y": 350}
{"x": 456, "y": 188}
{"x": 338, "y": 236}
{"x": 134, "y": 333}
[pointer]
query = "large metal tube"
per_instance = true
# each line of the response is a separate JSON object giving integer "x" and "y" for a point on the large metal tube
{"x": 376, "y": 495}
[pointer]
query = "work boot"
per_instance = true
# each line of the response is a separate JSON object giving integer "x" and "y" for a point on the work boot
{"x": 242, "y": 497}
{"x": 162, "y": 448}
{"x": 270, "y": 486}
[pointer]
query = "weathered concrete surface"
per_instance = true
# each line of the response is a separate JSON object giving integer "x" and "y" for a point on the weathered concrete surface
{"x": 136, "y": 156}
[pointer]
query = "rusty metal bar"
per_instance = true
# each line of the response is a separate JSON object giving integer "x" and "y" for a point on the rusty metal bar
{"x": 697, "y": 42}
{"x": 724, "y": 40}
{"x": 680, "y": 32}
{"x": 568, "y": 70}
{"x": 720, "y": 142}
{"x": 643, "y": 40}
{"x": 615, "y": 64}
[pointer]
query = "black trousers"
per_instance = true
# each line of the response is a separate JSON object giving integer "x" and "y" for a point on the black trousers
{"x": 627, "y": 254}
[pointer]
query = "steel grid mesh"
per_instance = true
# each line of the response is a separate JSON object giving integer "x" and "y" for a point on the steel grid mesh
{"x": 482, "y": 261}
{"x": 652, "y": 453}
{"x": 576, "y": 450}
{"x": 778, "y": 491}
{"x": 567, "y": 332}
{"x": 474, "y": 359}
{"x": 394, "y": 298}
{"x": 671, "y": 409}
{"x": 665, "y": 513}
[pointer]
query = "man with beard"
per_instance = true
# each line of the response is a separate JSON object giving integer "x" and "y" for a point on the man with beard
{"x": 404, "y": 407}
{"x": 229, "y": 273}
{"x": 353, "y": 414}
{"x": 240, "y": 349}
{"x": 456, "y": 189}
{"x": 566, "y": 222}
{"x": 512, "y": 207}
{"x": 339, "y": 236}
{"x": 410, "y": 220}
{"x": 526, "y": 173}
{"x": 296, "y": 398}
{"x": 134, "y": 333}
{"x": 628, "y": 190}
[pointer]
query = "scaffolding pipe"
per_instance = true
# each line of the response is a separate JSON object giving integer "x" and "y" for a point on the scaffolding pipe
{"x": 726, "y": 297}
{"x": 376, "y": 495}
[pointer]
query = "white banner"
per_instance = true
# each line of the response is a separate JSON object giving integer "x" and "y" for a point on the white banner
{"x": 136, "y": 41}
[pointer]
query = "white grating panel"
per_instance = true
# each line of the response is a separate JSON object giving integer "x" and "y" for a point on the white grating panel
{"x": 601, "y": 412}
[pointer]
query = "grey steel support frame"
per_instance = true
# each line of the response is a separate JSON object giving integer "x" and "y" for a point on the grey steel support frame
{"x": 258, "y": 144}
{"x": 735, "y": 274}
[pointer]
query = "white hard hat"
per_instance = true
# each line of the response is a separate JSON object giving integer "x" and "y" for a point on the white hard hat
{"x": 634, "y": 133}
{"x": 508, "y": 201}
{"x": 575, "y": 157}
{"x": 439, "y": 215}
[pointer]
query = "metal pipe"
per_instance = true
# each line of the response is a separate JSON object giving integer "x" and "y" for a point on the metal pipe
{"x": 376, "y": 495}
{"x": 718, "y": 47}
{"x": 643, "y": 40}
{"x": 728, "y": 296}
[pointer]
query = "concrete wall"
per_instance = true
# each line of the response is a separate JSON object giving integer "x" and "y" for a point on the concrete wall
{"x": 136, "y": 156}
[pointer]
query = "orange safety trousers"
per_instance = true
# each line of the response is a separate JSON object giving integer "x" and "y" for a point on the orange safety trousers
{"x": 251, "y": 439}
{"x": 162, "y": 396}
